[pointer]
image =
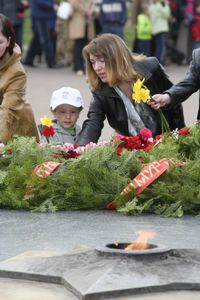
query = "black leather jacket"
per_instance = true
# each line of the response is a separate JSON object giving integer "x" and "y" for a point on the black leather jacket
{"x": 106, "y": 103}
{"x": 191, "y": 83}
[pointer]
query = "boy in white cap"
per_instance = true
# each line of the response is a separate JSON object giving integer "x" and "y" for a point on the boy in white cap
{"x": 66, "y": 104}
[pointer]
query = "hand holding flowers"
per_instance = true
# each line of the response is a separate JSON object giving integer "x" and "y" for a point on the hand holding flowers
{"x": 159, "y": 100}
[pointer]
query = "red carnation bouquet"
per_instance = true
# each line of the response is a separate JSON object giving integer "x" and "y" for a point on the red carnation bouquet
{"x": 142, "y": 141}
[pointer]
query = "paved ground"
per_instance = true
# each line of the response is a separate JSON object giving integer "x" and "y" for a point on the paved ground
{"x": 65, "y": 231}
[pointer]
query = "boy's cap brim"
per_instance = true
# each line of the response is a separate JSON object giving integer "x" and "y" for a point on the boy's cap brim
{"x": 66, "y": 95}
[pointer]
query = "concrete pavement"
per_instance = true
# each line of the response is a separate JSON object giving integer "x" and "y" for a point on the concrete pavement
{"x": 22, "y": 231}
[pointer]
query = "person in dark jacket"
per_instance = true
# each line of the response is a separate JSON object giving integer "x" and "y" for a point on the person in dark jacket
{"x": 42, "y": 13}
{"x": 113, "y": 16}
{"x": 182, "y": 90}
{"x": 112, "y": 69}
{"x": 15, "y": 11}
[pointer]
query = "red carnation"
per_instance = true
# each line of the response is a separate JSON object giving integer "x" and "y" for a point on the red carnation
{"x": 71, "y": 154}
{"x": 184, "y": 131}
{"x": 145, "y": 134}
{"x": 133, "y": 142}
{"x": 148, "y": 145}
{"x": 48, "y": 131}
{"x": 158, "y": 137}
{"x": 128, "y": 142}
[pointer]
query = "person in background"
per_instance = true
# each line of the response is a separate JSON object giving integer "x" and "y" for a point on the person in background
{"x": 81, "y": 30}
{"x": 16, "y": 116}
{"x": 135, "y": 10}
{"x": 195, "y": 27}
{"x": 15, "y": 11}
{"x": 177, "y": 15}
{"x": 143, "y": 31}
{"x": 112, "y": 70}
{"x": 97, "y": 23}
{"x": 52, "y": 32}
{"x": 185, "y": 41}
{"x": 66, "y": 104}
{"x": 136, "y": 6}
{"x": 42, "y": 12}
{"x": 173, "y": 54}
{"x": 159, "y": 12}
{"x": 113, "y": 16}
{"x": 182, "y": 90}
{"x": 64, "y": 45}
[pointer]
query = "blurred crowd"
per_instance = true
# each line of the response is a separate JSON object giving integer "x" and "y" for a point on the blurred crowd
{"x": 167, "y": 29}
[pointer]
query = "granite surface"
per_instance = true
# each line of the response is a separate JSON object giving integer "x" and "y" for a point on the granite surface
{"x": 64, "y": 231}
{"x": 91, "y": 275}
{"x": 60, "y": 249}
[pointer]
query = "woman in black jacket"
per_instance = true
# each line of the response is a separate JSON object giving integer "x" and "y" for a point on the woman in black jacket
{"x": 112, "y": 70}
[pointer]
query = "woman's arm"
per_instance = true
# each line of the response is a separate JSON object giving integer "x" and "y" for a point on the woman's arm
{"x": 14, "y": 91}
{"x": 182, "y": 90}
{"x": 92, "y": 127}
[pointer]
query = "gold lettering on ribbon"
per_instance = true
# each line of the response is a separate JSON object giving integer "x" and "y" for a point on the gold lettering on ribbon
{"x": 149, "y": 173}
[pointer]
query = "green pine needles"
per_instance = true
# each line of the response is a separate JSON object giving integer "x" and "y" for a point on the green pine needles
{"x": 98, "y": 176}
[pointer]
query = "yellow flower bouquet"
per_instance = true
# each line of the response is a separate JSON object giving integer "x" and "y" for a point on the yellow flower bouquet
{"x": 142, "y": 94}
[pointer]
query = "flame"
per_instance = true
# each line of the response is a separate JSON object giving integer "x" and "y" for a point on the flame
{"x": 142, "y": 240}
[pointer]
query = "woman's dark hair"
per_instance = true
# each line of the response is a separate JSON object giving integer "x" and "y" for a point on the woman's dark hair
{"x": 7, "y": 30}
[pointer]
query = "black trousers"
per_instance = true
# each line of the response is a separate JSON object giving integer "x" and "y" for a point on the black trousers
{"x": 41, "y": 39}
{"x": 78, "y": 62}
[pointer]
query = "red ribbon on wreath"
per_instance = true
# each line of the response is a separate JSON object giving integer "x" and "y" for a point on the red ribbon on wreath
{"x": 147, "y": 175}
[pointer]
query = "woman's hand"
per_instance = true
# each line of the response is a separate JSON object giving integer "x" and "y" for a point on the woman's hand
{"x": 159, "y": 100}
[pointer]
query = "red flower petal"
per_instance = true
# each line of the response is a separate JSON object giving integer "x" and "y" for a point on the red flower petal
{"x": 48, "y": 131}
{"x": 184, "y": 131}
{"x": 145, "y": 134}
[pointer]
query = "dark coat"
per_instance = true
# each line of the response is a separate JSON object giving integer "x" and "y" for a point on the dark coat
{"x": 12, "y": 10}
{"x": 115, "y": 15}
{"x": 190, "y": 84}
{"x": 42, "y": 9}
{"x": 107, "y": 103}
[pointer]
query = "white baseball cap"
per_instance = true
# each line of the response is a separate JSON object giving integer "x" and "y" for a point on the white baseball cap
{"x": 66, "y": 95}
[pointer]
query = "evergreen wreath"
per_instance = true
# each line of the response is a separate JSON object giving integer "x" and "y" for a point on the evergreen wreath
{"x": 97, "y": 176}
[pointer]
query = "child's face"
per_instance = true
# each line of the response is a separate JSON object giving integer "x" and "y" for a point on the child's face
{"x": 66, "y": 115}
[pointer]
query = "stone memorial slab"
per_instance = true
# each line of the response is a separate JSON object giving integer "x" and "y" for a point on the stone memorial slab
{"x": 89, "y": 274}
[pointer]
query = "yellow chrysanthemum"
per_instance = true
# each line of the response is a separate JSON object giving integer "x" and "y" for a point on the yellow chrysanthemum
{"x": 46, "y": 121}
{"x": 140, "y": 92}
